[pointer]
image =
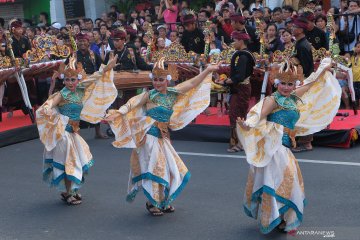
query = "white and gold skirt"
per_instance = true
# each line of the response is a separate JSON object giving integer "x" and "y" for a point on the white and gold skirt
{"x": 157, "y": 169}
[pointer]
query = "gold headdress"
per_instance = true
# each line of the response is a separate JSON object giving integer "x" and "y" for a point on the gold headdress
{"x": 287, "y": 71}
{"x": 73, "y": 69}
{"x": 159, "y": 70}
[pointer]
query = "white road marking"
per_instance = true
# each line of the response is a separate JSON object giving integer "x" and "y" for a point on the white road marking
{"x": 299, "y": 160}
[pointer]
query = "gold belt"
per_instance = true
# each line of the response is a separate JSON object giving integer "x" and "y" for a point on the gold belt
{"x": 292, "y": 134}
{"x": 164, "y": 129}
{"x": 74, "y": 125}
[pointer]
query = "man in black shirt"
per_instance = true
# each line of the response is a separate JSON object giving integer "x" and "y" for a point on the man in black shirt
{"x": 314, "y": 35}
{"x": 128, "y": 59}
{"x": 241, "y": 68}
{"x": 305, "y": 58}
{"x": 238, "y": 22}
{"x": 193, "y": 38}
{"x": 303, "y": 52}
{"x": 20, "y": 45}
{"x": 91, "y": 63}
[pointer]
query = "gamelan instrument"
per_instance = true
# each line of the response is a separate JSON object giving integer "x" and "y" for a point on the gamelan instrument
{"x": 125, "y": 80}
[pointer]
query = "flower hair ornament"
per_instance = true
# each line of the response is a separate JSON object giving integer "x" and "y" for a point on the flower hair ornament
{"x": 277, "y": 81}
{"x": 159, "y": 71}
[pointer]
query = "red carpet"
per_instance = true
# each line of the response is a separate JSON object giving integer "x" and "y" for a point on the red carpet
{"x": 341, "y": 123}
{"x": 18, "y": 120}
{"x": 348, "y": 127}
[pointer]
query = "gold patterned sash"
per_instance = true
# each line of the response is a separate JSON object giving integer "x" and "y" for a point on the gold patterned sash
{"x": 164, "y": 129}
{"x": 74, "y": 125}
{"x": 292, "y": 134}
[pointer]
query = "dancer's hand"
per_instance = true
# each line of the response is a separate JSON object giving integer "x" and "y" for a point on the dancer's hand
{"x": 110, "y": 117}
{"x": 214, "y": 67}
{"x": 123, "y": 110}
{"x": 112, "y": 62}
{"x": 242, "y": 124}
{"x": 48, "y": 110}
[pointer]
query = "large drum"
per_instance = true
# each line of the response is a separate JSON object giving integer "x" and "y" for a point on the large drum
{"x": 132, "y": 80}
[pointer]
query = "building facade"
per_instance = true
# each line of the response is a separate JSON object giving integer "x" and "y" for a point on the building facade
{"x": 58, "y": 10}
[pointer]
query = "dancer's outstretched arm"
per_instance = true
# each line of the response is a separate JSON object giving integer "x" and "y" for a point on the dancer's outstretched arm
{"x": 268, "y": 106}
{"x": 195, "y": 81}
{"x": 324, "y": 66}
{"x": 134, "y": 102}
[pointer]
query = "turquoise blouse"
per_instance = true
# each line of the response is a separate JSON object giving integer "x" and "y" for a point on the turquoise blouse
{"x": 287, "y": 114}
{"x": 163, "y": 111}
{"x": 71, "y": 105}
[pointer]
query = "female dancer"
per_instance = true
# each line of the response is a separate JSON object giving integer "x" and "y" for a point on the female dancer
{"x": 143, "y": 124}
{"x": 275, "y": 188}
{"x": 67, "y": 156}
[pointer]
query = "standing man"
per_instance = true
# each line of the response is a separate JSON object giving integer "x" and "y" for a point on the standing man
{"x": 20, "y": 45}
{"x": 238, "y": 23}
{"x": 193, "y": 38}
{"x": 241, "y": 68}
{"x": 89, "y": 24}
{"x": 278, "y": 18}
{"x": 303, "y": 51}
{"x": 43, "y": 19}
{"x": 91, "y": 63}
{"x": 313, "y": 34}
{"x": 303, "y": 55}
{"x": 128, "y": 59}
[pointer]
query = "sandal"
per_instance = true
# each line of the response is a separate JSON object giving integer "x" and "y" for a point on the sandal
{"x": 234, "y": 149}
{"x": 101, "y": 136}
{"x": 169, "y": 209}
{"x": 77, "y": 196}
{"x": 154, "y": 211}
{"x": 281, "y": 227}
{"x": 70, "y": 199}
{"x": 301, "y": 149}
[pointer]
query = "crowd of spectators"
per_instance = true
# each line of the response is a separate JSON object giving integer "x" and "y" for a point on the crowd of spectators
{"x": 172, "y": 22}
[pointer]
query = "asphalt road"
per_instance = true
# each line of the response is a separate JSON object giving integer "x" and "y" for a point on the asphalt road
{"x": 210, "y": 207}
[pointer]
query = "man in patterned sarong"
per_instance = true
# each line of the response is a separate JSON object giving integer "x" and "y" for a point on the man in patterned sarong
{"x": 242, "y": 64}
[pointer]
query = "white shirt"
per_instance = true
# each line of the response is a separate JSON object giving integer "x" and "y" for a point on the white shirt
{"x": 167, "y": 42}
{"x": 273, "y": 3}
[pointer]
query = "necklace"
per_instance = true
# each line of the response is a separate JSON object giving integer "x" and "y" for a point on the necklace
{"x": 165, "y": 99}
{"x": 74, "y": 97}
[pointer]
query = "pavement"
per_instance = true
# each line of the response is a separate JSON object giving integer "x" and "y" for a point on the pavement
{"x": 210, "y": 207}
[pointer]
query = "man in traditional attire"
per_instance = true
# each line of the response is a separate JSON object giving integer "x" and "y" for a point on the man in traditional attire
{"x": 241, "y": 68}
{"x": 303, "y": 54}
{"x": 91, "y": 63}
{"x": 20, "y": 45}
{"x": 193, "y": 38}
{"x": 128, "y": 60}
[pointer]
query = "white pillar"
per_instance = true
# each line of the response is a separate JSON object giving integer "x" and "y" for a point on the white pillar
{"x": 57, "y": 12}
{"x": 94, "y": 8}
